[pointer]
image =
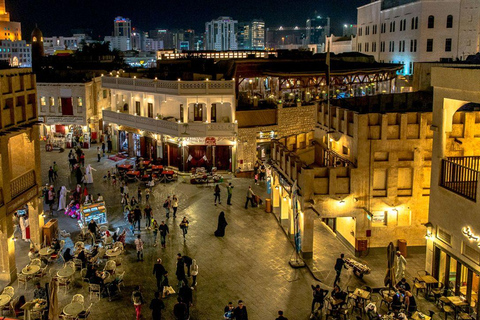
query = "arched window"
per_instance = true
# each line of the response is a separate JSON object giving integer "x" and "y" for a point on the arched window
{"x": 431, "y": 22}
{"x": 34, "y": 39}
{"x": 449, "y": 21}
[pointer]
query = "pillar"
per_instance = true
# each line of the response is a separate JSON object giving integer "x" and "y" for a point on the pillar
{"x": 8, "y": 268}
{"x": 35, "y": 218}
{"x": 307, "y": 233}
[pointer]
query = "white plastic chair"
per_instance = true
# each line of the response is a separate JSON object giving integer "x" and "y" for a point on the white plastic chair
{"x": 78, "y": 298}
{"x": 36, "y": 262}
{"x": 110, "y": 266}
{"x": 9, "y": 291}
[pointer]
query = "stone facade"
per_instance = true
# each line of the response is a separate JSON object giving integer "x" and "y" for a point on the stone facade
{"x": 289, "y": 121}
{"x": 20, "y": 176}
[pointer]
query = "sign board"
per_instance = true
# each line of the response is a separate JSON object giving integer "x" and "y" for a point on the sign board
{"x": 22, "y": 199}
{"x": 65, "y": 120}
{"x": 210, "y": 141}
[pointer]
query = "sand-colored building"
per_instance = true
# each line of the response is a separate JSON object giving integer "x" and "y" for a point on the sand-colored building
{"x": 453, "y": 254}
{"x": 365, "y": 171}
{"x": 20, "y": 177}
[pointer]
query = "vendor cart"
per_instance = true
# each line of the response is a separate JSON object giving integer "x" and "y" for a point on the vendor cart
{"x": 95, "y": 211}
{"x": 359, "y": 269}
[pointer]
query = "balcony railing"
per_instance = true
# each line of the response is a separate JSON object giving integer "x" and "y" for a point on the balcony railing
{"x": 460, "y": 175}
{"x": 194, "y": 129}
{"x": 23, "y": 183}
{"x": 224, "y": 87}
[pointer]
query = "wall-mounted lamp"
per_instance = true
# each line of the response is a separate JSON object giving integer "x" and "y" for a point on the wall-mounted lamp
{"x": 276, "y": 187}
{"x": 284, "y": 198}
{"x": 429, "y": 232}
{"x": 342, "y": 202}
{"x": 355, "y": 199}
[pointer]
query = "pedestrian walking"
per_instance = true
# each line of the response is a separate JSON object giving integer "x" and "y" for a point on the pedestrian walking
{"x": 180, "y": 310}
{"x": 222, "y": 224}
{"x": 137, "y": 216}
{"x": 217, "y": 194}
{"x": 137, "y": 299}
{"x": 256, "y": 179}
{"x": 147, "y": 195}
{"x": 339, "y": 265}
{"x": 280, "y": 316}
{"x": 148, "y": 216}
{"x": 103, "y": 148}
{"x": 250, "y": 196}
{"x": 188, "y": 263}
{"x": 240, "y": 312}
{"x": 82, "y": 159}
{"x": 51, "y": 178}
{"x": 401, "y": 264}
{"x": 180, "y": 271}
{"x": 186, "y": 294}
{"x": 109, "y": 145}
{"x": 194, "y": 272}
{"x": 163, "y": 228}
{"x": 228, "y": 311}
{"x": 175, "y": 205}
{"x": 167, "y": 205}
{"x": 99, "y": 154}
{"x": 157, "y": 305}
{"x": 55, "y": 170}
{"x": 139, "y": 195}
{"x": 155, "y": 232}
{"x": 160, "y": 272}
{"x": 139, "y": 247}
{"x": 133, "y": 201}
{"x": 229, "y": 193}
{"x": 184, "y": 226}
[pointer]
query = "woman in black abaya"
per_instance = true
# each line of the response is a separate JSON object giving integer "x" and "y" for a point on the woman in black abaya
{"x": 222, "y": 223}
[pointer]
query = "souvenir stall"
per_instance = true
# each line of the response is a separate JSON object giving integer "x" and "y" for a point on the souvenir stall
{"x": 95, "y": 211}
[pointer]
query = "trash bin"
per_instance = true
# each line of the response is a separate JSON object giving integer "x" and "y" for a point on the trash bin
{"x": 402, "y": 247}
{"x": 268, "y": 205}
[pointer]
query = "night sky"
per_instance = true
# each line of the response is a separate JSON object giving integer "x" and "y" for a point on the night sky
{"x": 58, "y": 17}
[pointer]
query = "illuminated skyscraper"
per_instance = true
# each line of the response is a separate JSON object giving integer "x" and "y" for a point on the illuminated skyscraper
{"x": 221, "y": 34}
{"x": 122, "y": 27}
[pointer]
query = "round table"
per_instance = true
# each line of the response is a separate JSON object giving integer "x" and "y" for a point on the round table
{"x": 4, "y": 299}
{"x": 65, "y": 272}
{"x": 30, "y": 270}
{"x": 73, "y": 309}
{"x": 113, "y": 252}
{"x": 47, "y": 251}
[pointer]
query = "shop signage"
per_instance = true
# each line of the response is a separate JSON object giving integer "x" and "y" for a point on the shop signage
{"x": 65, "y": 120}
{"x": 469, "y": 234}
{"x": 22, "y": 199}
{"x": 210, "y": 141}
{"x": 284, "y": 183}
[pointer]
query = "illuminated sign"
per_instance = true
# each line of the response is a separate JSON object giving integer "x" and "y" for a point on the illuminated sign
{"x": 471, "y": 236}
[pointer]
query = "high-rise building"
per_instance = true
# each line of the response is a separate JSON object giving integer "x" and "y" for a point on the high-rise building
{"x": 183, "y": 39}
{"x": 317, "y": 29}
{"x": 122, "y": 27}
{"x": 10, "y": 30}
{"x": 418, "y": 30}
{"x": 221, "y": 34}
{"x": 163, "y": 35}
{"x": 251, "y": 35}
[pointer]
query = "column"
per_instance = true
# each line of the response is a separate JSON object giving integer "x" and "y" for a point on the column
{"x": 307, "y": 233}
{"x": 36, "y": 220}
{"x": 8, "y": 268}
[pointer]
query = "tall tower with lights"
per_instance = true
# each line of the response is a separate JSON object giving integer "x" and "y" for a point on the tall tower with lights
{"x": 9, "y": 30}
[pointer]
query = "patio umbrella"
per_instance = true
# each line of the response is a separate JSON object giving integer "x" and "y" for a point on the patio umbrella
{"x": 390, "y": 274}
{"x": 53, "y": 304}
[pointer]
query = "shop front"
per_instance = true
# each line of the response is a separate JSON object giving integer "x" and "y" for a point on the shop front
{"x": 66, "y": 132}
{"x": 458, "y": 276}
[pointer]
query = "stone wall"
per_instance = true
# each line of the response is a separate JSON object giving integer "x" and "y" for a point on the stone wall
{"x": 289, "y": 121}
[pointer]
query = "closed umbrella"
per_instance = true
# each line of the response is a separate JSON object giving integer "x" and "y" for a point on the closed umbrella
{"x": 390, "y": 274}
{"x": 53, "y": 310}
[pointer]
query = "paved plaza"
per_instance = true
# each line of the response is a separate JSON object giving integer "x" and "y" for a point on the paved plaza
{"x": 249, "y": 263}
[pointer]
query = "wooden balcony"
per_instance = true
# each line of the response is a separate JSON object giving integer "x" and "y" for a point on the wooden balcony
{"x": 460, "y": 175}
{"x": 22, "y": 183}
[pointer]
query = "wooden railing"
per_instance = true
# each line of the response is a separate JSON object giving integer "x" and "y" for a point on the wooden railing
{"x": 460, "y": 178}
{"x": 23, "y": 183}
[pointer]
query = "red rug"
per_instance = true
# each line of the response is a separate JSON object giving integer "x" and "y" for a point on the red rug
{"x": 117, "y": 157}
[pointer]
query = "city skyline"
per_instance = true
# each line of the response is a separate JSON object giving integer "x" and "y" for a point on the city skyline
{"x": 192, "y": 15}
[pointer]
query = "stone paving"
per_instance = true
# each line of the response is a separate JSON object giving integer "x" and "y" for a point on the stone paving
{"x": 249, "y": 263}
